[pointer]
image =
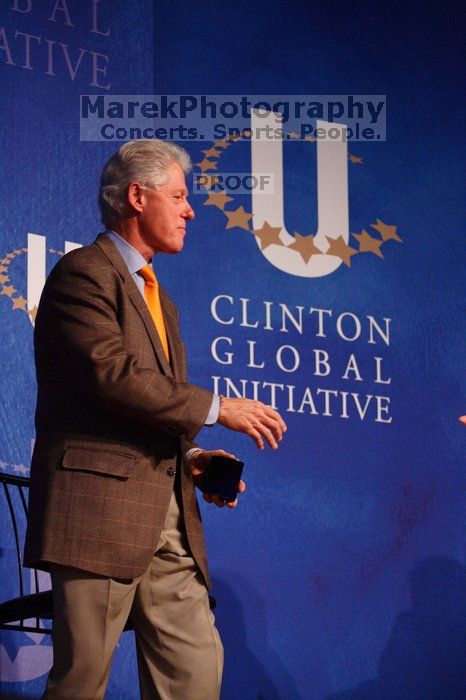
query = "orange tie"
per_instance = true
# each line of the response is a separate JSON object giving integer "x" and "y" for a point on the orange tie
{"x": 151, "y": 293}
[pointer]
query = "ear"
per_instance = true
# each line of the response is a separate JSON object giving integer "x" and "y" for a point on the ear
{"x": 135, "y": 196}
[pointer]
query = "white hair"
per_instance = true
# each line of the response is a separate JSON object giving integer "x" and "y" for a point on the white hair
{"x": 145, "y": 161}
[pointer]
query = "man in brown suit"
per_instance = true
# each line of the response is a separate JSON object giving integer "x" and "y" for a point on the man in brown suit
{"x": 113, "y": 511}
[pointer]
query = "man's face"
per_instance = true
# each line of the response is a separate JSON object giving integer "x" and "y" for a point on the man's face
{"x": 165, "y": 213}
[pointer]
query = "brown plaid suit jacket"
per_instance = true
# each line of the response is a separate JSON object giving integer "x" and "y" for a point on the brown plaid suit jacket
{"x": 113, "y": 421}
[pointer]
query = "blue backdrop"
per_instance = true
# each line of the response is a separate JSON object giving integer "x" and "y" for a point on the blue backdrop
{"x": 341, "y": 573}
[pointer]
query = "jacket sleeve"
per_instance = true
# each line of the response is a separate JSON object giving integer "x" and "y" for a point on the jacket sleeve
{"x": 78, "y": 332}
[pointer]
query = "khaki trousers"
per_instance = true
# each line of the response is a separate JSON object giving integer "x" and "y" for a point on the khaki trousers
{"x": 179, "y": 652}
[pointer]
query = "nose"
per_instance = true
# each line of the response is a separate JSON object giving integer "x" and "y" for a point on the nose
{"x": 188, "y": 212}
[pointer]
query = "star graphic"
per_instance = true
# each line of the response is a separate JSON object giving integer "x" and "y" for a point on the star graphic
{"x": 10, "y": 648}
{"x": 5, "y": 261}
{"x": 33, "y": 313}
{"x": 387, "y": 232}
{"x": 239, "y": 217}
{"x": 218, "y": 199}
{"x": 222, "y": 144}
{"x": 9, "y": 256}
{"x": 52, "y": 250}
{"x": 19, "y": 303}
{"x": 268, "y": 235}
{"x": 339, "y": 248}
{"x": 212, "y": 152}
{"x": 355, "y": 159}
{"x": 24, "y": 250}
{"x": 293, "y": 134}
{"x": 367, "y": 244}
{"x": 310, "y": 138}
{"x": 206, "y": 164}
{"x": 233, "y": 137}
{"x": 4, "y": 278}
{"x": 3, "y": 268}
{"x": 305, "y": 246}
{"x": 7, "y": 290}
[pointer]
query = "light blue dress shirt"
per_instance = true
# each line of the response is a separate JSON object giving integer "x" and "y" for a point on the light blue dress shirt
{"x": 134, "y": 262}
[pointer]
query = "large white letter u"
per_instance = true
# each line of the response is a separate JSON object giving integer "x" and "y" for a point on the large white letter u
{"x": 332, "y": 199}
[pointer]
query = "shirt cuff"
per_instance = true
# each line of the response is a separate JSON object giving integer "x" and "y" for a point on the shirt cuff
{"x": 192, "y": 452}
{"x": 212, "y": 416}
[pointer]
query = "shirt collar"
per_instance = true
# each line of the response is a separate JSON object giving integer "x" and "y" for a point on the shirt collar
{"x": 132, "y": 257}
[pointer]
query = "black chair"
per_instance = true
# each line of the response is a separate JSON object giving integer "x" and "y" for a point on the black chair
{"x": 16, "y": 613}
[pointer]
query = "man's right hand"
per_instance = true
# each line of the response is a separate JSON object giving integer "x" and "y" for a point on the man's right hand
{"x": 254, "y": 418}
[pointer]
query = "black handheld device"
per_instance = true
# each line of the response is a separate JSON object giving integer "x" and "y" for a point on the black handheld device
{"x": 222, "y": 477}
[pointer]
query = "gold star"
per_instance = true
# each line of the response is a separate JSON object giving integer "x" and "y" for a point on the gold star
{"x": 339, "y": 248}
{"x": 212, "y": 152}
{"x": 233, "y": 137}
{"x": 24, "y": 250}
{"x": 367, "y": 244}
{"x": 305, "y": 246}
{"x": 355, "y": 159}
{"x": 310, "y": 138}
{"x": 4, "y": 278}
{"x": 218, "y": 199}
{"x": 222, "y": 144}
{"x": 5, "y": 261}
{"x": 3, "y": 268}
{"x": 387, "y": 232}
{"x": 268, "y": 235}
{"x": 9, "y": 256}
{"x": 20, "y": 303}
{"x": 239, "y": 217}
{"x": 33, "y": 313}
{"x": 7, "y": 291}
{"x": 293, "y": 134}
{"x": 52, "y": 250}
{"x": 207, "y": 165}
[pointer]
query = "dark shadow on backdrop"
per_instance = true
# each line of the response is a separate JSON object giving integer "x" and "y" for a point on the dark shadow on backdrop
{"x": 245, "y": 677}
{"x": 425, "y": 657}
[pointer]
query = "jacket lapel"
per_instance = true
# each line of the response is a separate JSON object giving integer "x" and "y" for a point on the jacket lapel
{"x": 139, "y": 303}
{"x": 174, "y": 340}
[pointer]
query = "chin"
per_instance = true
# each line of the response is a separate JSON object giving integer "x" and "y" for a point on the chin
{"x": 176, "y": 248}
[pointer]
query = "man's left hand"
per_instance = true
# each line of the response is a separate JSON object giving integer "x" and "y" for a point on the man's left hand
{"x": 199, "y": 462}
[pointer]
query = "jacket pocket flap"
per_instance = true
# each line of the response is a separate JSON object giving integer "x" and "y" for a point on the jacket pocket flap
{"x": 101, "y": 461}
